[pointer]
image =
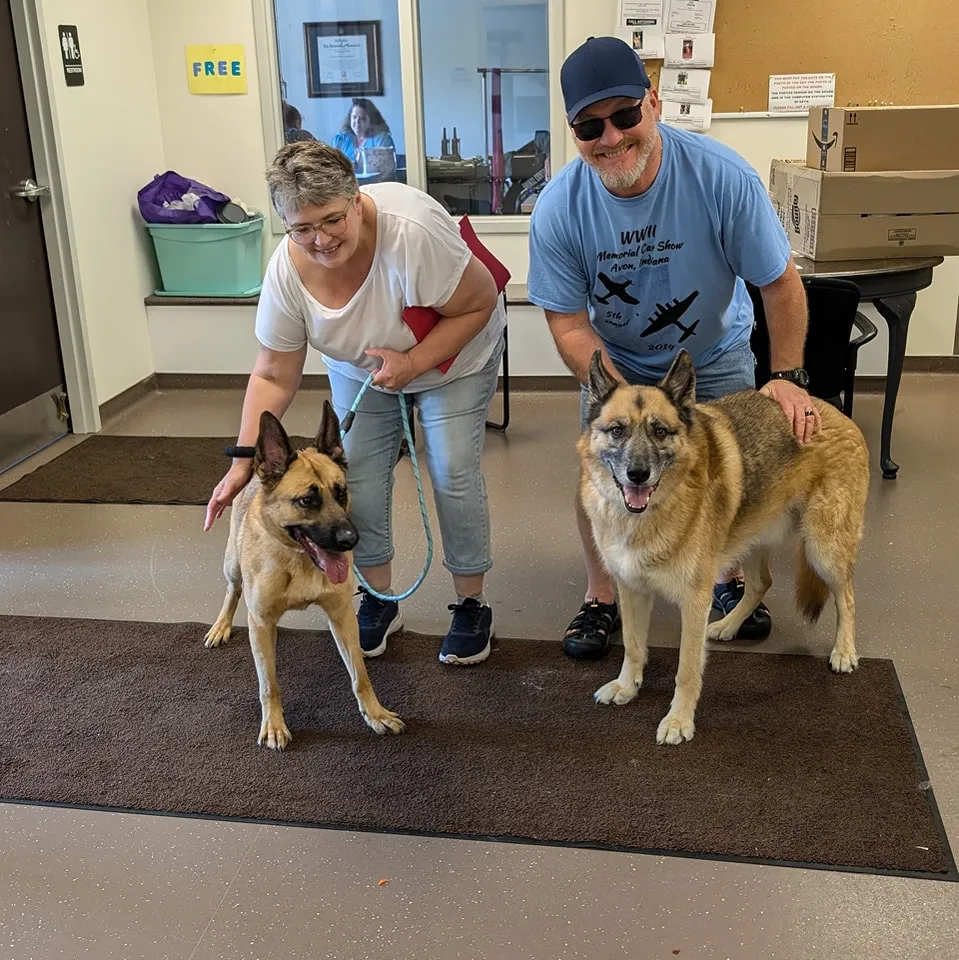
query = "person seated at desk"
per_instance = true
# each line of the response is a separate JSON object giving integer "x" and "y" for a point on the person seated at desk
{"x": 364, "y": 128}
{"x": 293, "y": 125}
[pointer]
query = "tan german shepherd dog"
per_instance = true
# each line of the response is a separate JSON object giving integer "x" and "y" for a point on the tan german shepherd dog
{"x": 289, "y": 548}
{"x": 677, "y": 493}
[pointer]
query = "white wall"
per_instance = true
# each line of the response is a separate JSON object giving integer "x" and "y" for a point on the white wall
{"x": 234, "y": 155}
{"x": 208, "y": 340}
{"x": 215, "y": 139}
{"x": 109, "y": 138}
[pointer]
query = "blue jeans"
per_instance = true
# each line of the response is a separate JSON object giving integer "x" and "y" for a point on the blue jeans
{"x": 452, "y": 419}
{"x": 730, "y": 372}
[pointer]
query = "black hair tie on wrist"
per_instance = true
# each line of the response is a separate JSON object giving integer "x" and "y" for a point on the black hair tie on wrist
{"x": 244, "y": 452}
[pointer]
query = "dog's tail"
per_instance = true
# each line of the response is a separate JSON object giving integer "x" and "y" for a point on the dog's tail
{"x": 812, "y": 591}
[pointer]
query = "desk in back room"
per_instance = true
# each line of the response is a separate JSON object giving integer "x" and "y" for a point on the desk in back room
{"x": 891, "y": 287}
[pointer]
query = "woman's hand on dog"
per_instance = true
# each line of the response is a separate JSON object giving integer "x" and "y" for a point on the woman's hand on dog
{"x": 237, "y": 477}
{"x": 796, "y": 404}
{"x": 397, "y": 369}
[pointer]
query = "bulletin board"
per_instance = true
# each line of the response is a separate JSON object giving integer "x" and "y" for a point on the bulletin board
{"x": 882, "y": 51}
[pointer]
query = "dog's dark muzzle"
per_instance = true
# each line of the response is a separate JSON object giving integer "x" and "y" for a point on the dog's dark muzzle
{"x": 333, "y": 538}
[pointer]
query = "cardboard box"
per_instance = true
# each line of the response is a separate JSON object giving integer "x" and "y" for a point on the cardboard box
{"x": 858, "y": 139}
{"x": 861, "y": 216}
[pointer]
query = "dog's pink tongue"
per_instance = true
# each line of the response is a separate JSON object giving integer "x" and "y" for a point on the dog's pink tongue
{"x": 335, "y": 566}
{"x": 637, "y": 496}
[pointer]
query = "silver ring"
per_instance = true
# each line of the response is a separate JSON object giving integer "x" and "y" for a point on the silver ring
{"x": 810, "y": 413}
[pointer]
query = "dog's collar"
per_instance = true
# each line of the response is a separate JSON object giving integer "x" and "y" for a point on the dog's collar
{"x": 241, "y": 452}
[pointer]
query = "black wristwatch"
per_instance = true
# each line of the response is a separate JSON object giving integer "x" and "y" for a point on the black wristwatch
{"x": 797, "y": 376}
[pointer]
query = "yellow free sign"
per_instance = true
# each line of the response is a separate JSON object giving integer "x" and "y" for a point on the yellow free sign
{"x": 216, "y": 68}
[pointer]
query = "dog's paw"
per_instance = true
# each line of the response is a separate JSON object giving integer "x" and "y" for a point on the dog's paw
{"x": 615, "y": 692}
{"x": 843, "y": 662}
{"x": 724, "y": 629}
{"x": 674, "y": 729}
{"x": 217, "y": 634}
{"x": 274, "y": 733}
{"x": 384, "y": 721}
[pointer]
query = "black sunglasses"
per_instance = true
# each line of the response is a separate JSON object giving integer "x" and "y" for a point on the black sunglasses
{"x": 592, "y": 129}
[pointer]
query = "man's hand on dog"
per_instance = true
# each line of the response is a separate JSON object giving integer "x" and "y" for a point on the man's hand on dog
{"x": 397, "y": 369}
{"x": 237, "y": 477}
{"x": 798, "y": 407}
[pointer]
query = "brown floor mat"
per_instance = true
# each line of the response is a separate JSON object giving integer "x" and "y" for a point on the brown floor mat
{"x": 790, "y": 764}
{"x": 108, "y": 469}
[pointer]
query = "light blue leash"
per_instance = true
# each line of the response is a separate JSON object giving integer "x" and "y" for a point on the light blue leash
{"x": 344, "y": 429}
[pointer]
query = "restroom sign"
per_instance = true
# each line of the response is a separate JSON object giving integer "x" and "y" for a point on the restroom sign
{"x": 70, "y": 52}
{"x": 216, "y": 68}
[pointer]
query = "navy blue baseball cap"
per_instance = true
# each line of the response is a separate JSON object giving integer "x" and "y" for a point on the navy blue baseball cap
{"x": 603, "y": 67}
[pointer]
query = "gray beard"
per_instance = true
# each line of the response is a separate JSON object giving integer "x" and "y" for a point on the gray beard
{"x": 624, "y": 179}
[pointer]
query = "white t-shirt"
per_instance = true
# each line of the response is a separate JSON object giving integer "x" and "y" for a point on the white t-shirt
{"x": 419, "y": 261}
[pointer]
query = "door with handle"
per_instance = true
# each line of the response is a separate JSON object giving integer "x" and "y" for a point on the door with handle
{"x": 30, "y": 190}
{"x": 33, "y": 402}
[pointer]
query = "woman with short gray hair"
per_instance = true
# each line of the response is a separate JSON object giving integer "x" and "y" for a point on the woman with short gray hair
{"x": 352, "y": 261}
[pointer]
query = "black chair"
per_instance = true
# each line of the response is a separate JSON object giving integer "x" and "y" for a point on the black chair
{"x": 505, "y": 422}
{"x": 830, "y": 355}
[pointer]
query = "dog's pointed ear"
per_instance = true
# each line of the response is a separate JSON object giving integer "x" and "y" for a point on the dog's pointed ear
{"x": 679, "y": 385}
{"x": 600, "y": 385}
{"x": 328, "y": 440}
{"x": 273, "y": 450}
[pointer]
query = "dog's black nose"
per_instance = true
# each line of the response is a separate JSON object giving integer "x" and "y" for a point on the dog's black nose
{"x": 637, "y": 474}
{"x": 346, "y": 537}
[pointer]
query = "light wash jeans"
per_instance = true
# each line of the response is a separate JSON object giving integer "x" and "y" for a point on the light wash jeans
{"x": 452, "y": 419}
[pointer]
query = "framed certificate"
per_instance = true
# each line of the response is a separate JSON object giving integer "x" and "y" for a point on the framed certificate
{"x": 344, "y": 58}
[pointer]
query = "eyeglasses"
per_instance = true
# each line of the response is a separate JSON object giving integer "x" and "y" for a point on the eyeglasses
{"x": 305, "y": 233}
{"x": 592, "y": 128}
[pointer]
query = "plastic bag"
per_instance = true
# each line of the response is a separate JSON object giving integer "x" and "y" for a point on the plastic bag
{"x": 171, "y": 198}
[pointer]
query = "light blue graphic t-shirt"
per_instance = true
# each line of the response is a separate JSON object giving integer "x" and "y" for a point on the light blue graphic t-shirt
{"x": 663, "y": 270}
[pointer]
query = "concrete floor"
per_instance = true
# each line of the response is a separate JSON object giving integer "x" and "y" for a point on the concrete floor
{"x": 104, "y": 885}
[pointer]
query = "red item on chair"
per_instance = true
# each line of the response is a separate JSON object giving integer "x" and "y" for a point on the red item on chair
{"x": 422, "y": 319}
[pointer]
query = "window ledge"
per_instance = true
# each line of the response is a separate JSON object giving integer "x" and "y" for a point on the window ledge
{"x": 516, "y": 295}
{"x": 155, "y": 301}
{"x": 497, "y": 224}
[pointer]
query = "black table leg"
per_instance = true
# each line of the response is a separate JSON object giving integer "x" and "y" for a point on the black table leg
{"x": 896, "y": 311}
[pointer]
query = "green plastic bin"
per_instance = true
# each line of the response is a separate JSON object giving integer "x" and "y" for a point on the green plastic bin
{"x": 209, "y": 259}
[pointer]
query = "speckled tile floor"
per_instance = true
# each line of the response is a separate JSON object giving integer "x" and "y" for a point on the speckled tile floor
{"x": 107, "y": 885}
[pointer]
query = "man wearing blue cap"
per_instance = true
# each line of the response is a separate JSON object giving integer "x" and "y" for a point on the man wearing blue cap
{"x": 643, "y": 243}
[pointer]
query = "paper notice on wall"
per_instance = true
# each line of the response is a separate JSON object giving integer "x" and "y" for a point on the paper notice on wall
{"x": 640, "y": 24}
{"x": 648, "y": 45}
{"x": 690, "y": 116}
{"x": 682, "y": 85}
{"x": 690, "y": 50}
{"x": 216, "y": 68}
{"x": 641, "y": 13}
{"x": 790, "y": 92}
{"x": 690, "y": 16}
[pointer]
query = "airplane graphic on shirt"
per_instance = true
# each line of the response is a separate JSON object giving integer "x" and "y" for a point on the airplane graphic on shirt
{"x": 614, "y": 289}
{"x": 669, "y": 315}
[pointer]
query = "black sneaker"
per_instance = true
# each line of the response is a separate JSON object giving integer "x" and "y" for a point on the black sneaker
{"x": 590, "y": 632}
{"x": 757, "y": 625}
{"x": 378, "y": 619}
{"x": 470, "y": 633}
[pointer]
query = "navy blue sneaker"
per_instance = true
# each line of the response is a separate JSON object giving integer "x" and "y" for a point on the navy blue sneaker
{"x": 378, "y": 619}
{"x": 470, "y": 633}
{"x": 757, "y": 625}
